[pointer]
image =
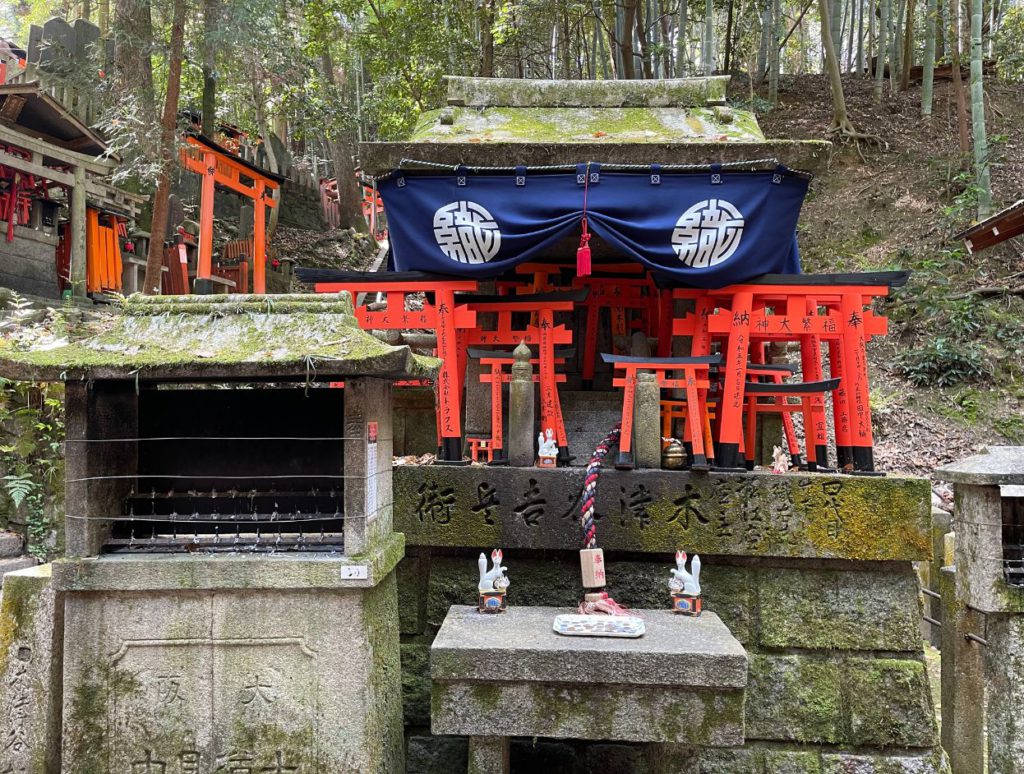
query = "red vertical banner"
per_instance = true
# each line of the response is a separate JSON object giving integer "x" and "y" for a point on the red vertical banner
{"x": 730, "y": 434}
{"x": 448, "y": 387}
{"x": 497, "y": 431}
{"x": 548, "y": 398}
{"x": 855, "y": 358}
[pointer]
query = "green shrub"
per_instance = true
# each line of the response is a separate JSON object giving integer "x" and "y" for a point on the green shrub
{"x": 940, "y": 362}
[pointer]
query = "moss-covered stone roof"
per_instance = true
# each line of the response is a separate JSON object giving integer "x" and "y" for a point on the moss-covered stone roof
{"x": 587, "y": 124}
{"x": 211, "y": 337}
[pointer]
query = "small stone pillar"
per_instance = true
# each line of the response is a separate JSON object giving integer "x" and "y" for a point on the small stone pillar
{"x": 647, "y": 421}
{"x": 521, "y": 409}
{"x": 478, "y": 401}
{"x": 990, "y": 596}
{"x": 489, "y": 755}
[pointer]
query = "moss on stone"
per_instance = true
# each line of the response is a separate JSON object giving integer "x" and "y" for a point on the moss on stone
{"x": 794, "y": 698}
{"x": 384, "y": 720}
{"x": 416, "y": 682}
{"x": 890, "y": 703}
{"x": 86, "y": 738}
{"x": 146, "y": 335}
{"x": 597, "y": 125}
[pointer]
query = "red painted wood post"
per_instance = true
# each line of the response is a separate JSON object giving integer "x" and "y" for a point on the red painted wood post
{"x": 205, "y": 266}
{"x": 259, "y": 239}
{"x": 730, "y": 434}
{"x": 855, "y": 358}
{"x": 815, "y": 422}
{"x": 449, "y": 389}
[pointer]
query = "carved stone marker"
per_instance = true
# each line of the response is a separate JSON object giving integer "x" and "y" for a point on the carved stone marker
{"x": 751, "y": 514}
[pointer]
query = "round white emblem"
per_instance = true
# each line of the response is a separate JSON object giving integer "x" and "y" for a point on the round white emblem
{"x": 707, "y": 233}
{"x": 466, "y": 232}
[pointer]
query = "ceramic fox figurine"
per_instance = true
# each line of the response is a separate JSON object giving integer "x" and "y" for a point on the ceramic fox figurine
{"x": 493, "y": 579}
{"x": 681, "y": 580}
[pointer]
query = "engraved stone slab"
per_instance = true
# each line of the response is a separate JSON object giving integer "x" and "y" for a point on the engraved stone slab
{"x": 510, "y": 675}
{"x": 30, "y": 643}
{"x": 232, "y": 680}
{"x": 753, "y": 514}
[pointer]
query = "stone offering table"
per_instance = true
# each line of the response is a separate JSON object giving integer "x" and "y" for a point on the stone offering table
{"x": 499, "y": 676}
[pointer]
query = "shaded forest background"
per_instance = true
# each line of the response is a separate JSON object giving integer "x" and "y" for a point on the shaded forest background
{"x": 916, "y": 158}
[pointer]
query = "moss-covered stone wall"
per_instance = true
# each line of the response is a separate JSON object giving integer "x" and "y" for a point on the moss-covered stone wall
{"x": 837, "y": 680}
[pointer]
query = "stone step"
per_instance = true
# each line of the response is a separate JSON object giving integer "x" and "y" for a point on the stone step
{"x": 16, "y": 563}
{"x": 10, "y": 544}
{"x": 589, "y": 415}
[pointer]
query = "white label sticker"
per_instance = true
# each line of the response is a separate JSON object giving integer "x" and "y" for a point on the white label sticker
{"x": 355, "y": 572}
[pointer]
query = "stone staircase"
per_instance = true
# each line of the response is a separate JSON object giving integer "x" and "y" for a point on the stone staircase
{"x": 588, "y": 417}
{"x": 11, "y": 557}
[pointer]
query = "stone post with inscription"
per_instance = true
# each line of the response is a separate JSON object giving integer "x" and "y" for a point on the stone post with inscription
{"x": 521, "y": 451}
{"x": 647, "y": 421}
{"x": 988, "y": 520}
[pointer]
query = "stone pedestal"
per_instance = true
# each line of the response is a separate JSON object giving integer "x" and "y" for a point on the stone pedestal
{"x": 201, "y": 664}
{"x": 682, "y": 683}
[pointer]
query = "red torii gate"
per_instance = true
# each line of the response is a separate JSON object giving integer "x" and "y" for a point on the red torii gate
{"x": 218, "y": 166}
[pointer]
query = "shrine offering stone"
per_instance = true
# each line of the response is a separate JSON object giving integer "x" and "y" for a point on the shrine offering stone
{"x": 231, "y": 663}
{"x": 30, "y": 651}
{"x": 751, "y": 514}
{"x": 681, "y": 683}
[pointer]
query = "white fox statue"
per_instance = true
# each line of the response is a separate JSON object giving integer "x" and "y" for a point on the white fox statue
{"x": 681, "y": 580}
{"x": 493, "y": 579}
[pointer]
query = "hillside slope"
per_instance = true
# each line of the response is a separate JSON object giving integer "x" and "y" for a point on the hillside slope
{"x": 948, "y": 379}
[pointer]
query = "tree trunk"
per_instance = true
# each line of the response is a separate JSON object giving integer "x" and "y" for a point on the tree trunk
{"x": 908, "y": 47}
{"x": 708, "y": 51}
{"x": 727, "y": 66}
{"x": 840, "y": 119}
{"x": 349, "y": 195}
{"x": 883, "y": 48}
{"x": 835, "y": 14}
{"x": 871, "y": 38}
{"x": 133, "y": 67}
{"x": 897, "y": 45}
{"x": 766, "y": 36}
{"x": 682, "y": 47}
{"x": 645, "y": 46}
{"x": 487, "y": 39}
{"x": 211, "y": 24}
{"x": 981, "y": 161}
{"x": 861, "y": 9}
{"x": 626, "y": 39}
{"x": 958, "y": 83}
{"x": 928, "y": 74}
{"x": 666, "y": 39}
{"x": 168, "y": 124}
{"x": 773, "y": 53}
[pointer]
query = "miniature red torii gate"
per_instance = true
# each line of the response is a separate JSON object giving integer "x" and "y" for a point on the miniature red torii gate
{"x": 219, "y": 167}
{"x": 445, "y": 316}
{"x": 544, "y": 333}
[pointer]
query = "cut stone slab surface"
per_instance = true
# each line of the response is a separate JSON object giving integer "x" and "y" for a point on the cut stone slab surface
{"x": 517, "y": 92}
{"x": 600, "y": 126}
{"x": 17, "y": 563}
{"x": 520, "y": 645}
{"x": 10, "y": 545}
{"x": 655, "y": 511}
{"x": 682, "y": 682}
{"x": 993, "y": 466}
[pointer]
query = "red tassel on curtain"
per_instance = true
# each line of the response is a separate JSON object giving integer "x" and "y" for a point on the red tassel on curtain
{"x": 583, "y": 253}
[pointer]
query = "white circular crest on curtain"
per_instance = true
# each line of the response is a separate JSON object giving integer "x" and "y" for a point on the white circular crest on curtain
{"x": 466, "y": 232}
{"x": 707, "y": 233}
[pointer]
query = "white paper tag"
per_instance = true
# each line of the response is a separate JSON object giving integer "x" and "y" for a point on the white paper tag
{"x": 355, "y": 572}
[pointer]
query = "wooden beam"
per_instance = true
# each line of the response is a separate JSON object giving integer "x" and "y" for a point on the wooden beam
{"x": 32, "y": 168}
{"x": 70, "y": 157}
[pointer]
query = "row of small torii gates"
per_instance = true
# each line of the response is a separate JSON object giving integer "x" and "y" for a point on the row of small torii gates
{"x": 720, "y": 387}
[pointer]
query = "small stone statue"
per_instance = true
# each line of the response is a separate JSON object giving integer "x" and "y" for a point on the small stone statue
{"x": 547, "y": 449}
{"x": 685, "y": 586}
{"x": 491, "y": 589}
